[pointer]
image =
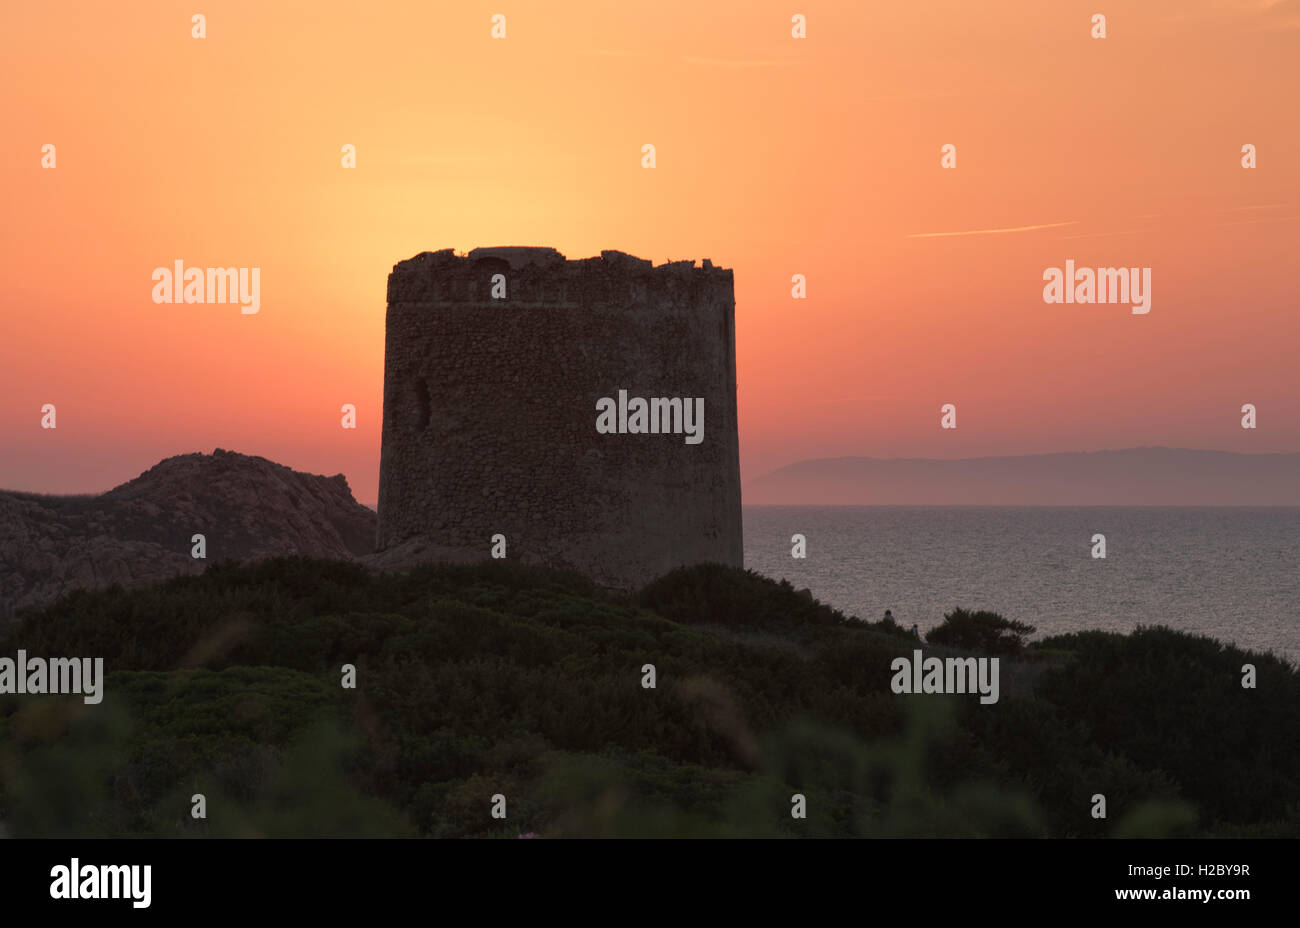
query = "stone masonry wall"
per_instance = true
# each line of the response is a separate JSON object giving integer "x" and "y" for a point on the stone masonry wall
{"x": 490, "y": 409}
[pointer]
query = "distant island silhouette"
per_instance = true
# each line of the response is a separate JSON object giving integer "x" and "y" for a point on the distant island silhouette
{"x": 1127, "y": 477}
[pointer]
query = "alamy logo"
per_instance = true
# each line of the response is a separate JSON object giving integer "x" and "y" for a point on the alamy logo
{"x": 179, "y": 284}
{"x": 54, "y": 676}
{"x": 1103, "y": 285}
{"x": 946, "y": 675}
{"x": 655, "y": 416}
{"x": 88, "y": 881}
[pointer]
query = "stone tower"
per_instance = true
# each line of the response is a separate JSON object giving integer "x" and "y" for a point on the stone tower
{"x": 498, "y": 368}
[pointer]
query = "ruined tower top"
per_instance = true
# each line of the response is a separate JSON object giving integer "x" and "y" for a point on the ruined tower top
{"x": 432, "y": 276}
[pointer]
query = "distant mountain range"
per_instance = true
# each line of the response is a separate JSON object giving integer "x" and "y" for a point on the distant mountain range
{"x": 1128, "y": 477}
{"x": 246, "y": 508}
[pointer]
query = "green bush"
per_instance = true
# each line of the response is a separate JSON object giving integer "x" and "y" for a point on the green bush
{"x": 718, "y": 595}
{"x": 980, "y": 631}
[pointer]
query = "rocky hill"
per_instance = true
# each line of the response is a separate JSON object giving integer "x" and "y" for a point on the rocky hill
{"x": 247, "y": 508}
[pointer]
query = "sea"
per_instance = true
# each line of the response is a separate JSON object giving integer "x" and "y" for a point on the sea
{"x": 1229, "y": 573}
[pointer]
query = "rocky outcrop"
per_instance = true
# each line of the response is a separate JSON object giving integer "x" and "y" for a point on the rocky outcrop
{"x": 246, "y": 508}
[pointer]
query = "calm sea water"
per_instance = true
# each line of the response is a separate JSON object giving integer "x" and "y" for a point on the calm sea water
{"x": 1231, "y": 573}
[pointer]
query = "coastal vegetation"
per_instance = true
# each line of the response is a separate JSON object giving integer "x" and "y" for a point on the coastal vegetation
{"x": 496, "y": 680}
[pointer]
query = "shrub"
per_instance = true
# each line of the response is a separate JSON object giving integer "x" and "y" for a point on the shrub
{"x": 714, "y": 594}
{"x": 980, "y": 631}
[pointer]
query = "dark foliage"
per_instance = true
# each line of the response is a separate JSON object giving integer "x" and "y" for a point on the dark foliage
{"x": 980, "y": 631}
{"x": 492, "y": 678}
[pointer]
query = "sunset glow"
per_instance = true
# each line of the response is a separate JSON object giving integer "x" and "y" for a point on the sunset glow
{"x": 775, "y": 157}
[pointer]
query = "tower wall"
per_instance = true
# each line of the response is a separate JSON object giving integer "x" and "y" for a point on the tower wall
{"x": 490, "y": 411}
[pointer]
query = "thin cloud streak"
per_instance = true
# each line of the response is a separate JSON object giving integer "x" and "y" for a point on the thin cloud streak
{"x": 1066, "y": 238}
{"x": 614, "y": 53}
{"x": 1046, "y": 225}
{"x": 733, "y": 63}
{"x": 1251, "y": 222}
{"x": 739, "y": 63}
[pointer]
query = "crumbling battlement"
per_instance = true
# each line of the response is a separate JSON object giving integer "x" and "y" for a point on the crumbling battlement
{"x": 544, "y": 277}
{"x": 491, "y": 407}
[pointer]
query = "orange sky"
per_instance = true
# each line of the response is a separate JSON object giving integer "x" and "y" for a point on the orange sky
{"x": 776, "y": 156}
